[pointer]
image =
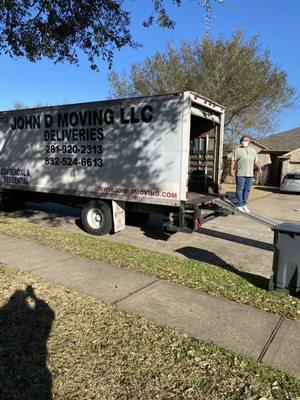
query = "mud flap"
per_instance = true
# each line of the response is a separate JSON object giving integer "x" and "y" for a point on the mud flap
{"x": 118, "y": 209}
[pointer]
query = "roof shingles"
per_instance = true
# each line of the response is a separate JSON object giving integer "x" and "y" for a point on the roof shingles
{"x": 284, "y": 141}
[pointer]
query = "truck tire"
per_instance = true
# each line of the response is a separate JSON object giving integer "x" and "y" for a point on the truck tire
{"x": 96, "y": 218}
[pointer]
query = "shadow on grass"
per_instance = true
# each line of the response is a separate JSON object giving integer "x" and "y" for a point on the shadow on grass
{"x": 25, "y": 325}
{"x": 211, "y": 258}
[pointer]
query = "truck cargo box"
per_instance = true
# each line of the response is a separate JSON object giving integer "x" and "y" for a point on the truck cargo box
{"x": 148, "y": 149}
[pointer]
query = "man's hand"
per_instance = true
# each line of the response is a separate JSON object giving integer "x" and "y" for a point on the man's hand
{"x": 259, "y": 170}
{"x": 232, "y": 173}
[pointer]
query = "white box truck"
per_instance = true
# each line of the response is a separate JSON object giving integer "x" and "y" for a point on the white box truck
{"x": 157, "y": 154}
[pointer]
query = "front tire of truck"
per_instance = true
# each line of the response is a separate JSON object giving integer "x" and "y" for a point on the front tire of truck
{"x": 97, "y": 218}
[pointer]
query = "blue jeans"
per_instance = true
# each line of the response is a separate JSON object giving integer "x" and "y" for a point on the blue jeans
{"x": 243, "y": 186}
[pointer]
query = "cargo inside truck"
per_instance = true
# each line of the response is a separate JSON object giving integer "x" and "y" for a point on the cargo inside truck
{"x": 204, "y": 154}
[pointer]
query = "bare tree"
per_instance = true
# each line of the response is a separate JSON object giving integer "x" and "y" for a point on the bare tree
{"x": 233, "y": 72}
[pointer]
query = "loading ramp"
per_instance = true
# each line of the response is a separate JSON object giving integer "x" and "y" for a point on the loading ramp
{"x": 222, "y": 205}
{"x": 228, "y": 205}
{"x": 286, "y": 258}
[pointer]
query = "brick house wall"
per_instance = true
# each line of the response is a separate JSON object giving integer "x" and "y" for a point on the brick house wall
{"x": 290, "y": 162}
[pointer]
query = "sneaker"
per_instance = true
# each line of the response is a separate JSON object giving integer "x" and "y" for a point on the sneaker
{"x": 240, "y": 208}
{"x": 246, "y": 209}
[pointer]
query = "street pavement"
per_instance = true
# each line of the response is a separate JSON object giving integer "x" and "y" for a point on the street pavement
{"x": 233, "y": 241}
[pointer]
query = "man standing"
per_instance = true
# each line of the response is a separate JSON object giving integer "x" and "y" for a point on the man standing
{"x": 244, "y": 159}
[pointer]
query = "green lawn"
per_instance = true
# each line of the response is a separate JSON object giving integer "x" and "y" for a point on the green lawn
{"x": 55, "y": 340}
{"x": 239, "y": 287}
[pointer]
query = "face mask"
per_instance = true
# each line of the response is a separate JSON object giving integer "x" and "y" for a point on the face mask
{"x": 245, "y": 144}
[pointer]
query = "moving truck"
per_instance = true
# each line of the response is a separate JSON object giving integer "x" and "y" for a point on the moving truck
{"x": 155, "y": 154}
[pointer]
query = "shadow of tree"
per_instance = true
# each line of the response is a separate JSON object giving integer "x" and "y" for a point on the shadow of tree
{"x": 211, "y": 258}
{"x": 52, "y": 214}
{"x": 25, "y": 325}
{"x": 141, "y": 155}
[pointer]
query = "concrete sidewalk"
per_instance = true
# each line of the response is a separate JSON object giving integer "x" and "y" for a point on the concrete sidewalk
{"x": 263, "y": 336}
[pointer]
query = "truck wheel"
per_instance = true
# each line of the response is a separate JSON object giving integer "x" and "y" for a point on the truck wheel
{"x": 96, "y": 218}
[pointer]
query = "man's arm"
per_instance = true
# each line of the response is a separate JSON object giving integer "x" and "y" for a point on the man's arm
{"x": 232, "y": 168}
{"x": 257, "y": 165}
{"x": 232, "y": 164}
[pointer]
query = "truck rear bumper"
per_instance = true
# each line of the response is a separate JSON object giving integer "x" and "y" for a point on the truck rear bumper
{"x": 194, "y": 212}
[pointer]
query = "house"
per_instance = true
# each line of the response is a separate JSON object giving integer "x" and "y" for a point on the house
{"x": 278, "y": 154}
{"x": 284, "y": 152}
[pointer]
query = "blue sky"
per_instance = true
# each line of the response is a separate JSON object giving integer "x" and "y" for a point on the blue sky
{"x": 276, "y": 22}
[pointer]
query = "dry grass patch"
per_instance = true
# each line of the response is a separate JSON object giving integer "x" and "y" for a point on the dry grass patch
{"x": 57, "y": 342}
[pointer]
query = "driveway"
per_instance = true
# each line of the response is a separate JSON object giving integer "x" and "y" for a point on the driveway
{"x": 282, "y": 206}
{"x": 234, "y": 242}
